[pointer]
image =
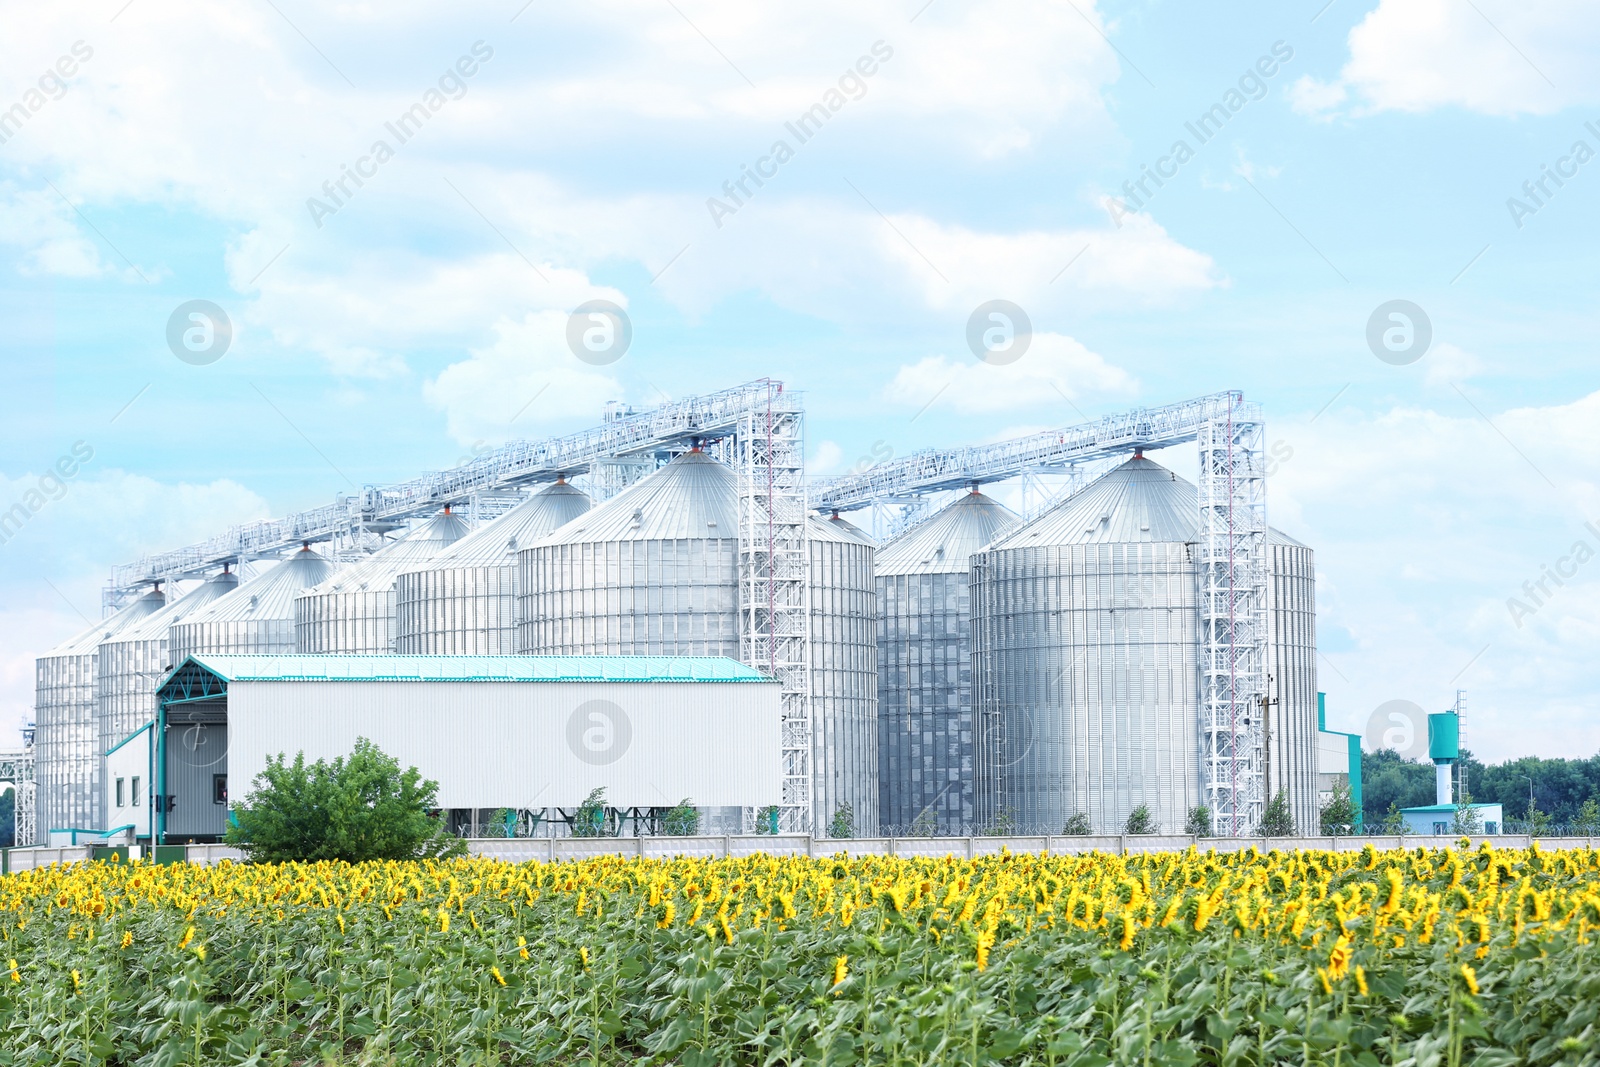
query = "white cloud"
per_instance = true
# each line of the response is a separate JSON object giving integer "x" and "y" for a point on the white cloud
{"x": 1308, "y": 96}
{"x": 1425, "y": 523}
{"x": 1448, "y": 365}
{"x": 1496, "y": 58}
{"x": 1055, "y": 371}
{"x": 528, "y": 369}
{"x": 825, "y": 459}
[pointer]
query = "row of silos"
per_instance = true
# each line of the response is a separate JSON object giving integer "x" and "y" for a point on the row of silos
{"x": 1071, "y": 642}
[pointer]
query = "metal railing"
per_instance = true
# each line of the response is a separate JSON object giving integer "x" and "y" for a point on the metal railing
{"x": 510, "y": 466}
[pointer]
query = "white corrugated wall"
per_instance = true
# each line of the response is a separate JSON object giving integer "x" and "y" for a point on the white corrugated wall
{"x": 533, "y": 745}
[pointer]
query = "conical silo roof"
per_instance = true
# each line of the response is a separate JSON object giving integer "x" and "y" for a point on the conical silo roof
{"x": 498, "y": 541}
{"x": 833, "y": 528}
{"x": 378, "y": 571}
{"x": 1140, "y": 501}
{"x": 269, "y": 595}
{"x": 694, "y": 496}
{"x": 154, "y": 627}
{"x": 89, "y": 639}
{"x": 943, "y": 543}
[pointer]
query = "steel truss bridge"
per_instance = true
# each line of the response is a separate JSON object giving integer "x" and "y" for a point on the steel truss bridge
{"x": 758, "y": 428}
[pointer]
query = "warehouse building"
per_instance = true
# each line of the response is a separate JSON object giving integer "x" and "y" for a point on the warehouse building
{"x": 527, "y": 735}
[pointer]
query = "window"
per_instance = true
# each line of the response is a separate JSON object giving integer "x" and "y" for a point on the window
{"x": 135, "y": 791}
{"x": 219, "y": 789}
{"x": 119, "y": 792}
{"x": 1441, "y": 828}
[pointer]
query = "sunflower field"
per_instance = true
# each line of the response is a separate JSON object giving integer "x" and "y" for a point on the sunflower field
{"x": 1428, "y": 957}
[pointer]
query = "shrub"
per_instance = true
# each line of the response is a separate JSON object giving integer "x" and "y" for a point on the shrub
{"x": 360, "y": 807}
{"x": 1140, "y": 821}
{"x": 1077, "y": 825}
{"x": 843, "y": 823}
{"x": 1198, "y": 824}
{"x": 1276, "y": 819}
{"x": 682, "y": 820}
{"x": 590, "y": 818}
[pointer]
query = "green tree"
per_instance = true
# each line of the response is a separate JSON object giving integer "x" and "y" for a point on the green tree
{"x": 359, "y": 807}
{"x": 1276, "y": 819}
{"x": 1140, "y": 821}
{"x": 1586, "y": 823}
{"x": 1393, "y": 822}
{"x": 590, "y": 818}
{"x": 1004, "y": 824}
{"x": 1198, "y": 823}
{"x": 1467, "y": 819}
{"x": 1077, "y": 825}
{"x": 1339, "y": 813}
{"x": 683, "y": 820}
{"x": 1387, "y": 779}
{"x": 843, "y": 823}
{"x": 1536, "y": 822}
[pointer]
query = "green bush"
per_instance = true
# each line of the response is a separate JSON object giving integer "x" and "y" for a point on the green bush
{"x": 1198, "y": 824}
{"x": 1077, "y": 825}
{"x": 843, "y": 823}
{"x": 682, "y": 820}
{"x": 1140, "y": 821}
{"x": 1277, "y": 820}
{"x": 359, "y": 807}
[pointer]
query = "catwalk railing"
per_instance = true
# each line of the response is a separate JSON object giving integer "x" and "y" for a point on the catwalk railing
{"x": 510, "y": 466}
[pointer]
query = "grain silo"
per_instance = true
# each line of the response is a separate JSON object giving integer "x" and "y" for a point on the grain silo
{"x": 651, "y": 572}
{"x": 926, "y": 754}
{"x": 67, "y": 735}
{"x": 133, "y": 661}
{"x": 1292, "y": 665}
{"x": 844, "y": 674}
{"x": 1087, "y": 649}
{"x": 353, "y": 611}
{"x": 655, "y": 571}
{"x": 257, "y": 618}
{"x": 464, "y": 602}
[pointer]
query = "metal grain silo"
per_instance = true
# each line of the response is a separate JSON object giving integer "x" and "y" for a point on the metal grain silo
{"x": 135, "y": 659}
{"x": 257, "y": 618}
{"x": 353, "y": 611}
{"x": 1086, "y": 647}
{"x": 651, "y": 572}
{"x": 66, "y": 752}
{"x": 926, "y": 758}
{"x": 844, "y": 674}
{"x": 1292, "y": 665}
{"x": 464, "y": 603}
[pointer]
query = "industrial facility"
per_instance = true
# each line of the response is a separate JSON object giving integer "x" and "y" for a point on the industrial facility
{"x": 1120, "y": 638}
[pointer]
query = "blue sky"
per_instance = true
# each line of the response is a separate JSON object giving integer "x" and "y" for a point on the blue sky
{"x": 975, "y": 162}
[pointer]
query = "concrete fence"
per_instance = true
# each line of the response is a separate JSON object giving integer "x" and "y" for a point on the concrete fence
{"x": 548, "y": 850}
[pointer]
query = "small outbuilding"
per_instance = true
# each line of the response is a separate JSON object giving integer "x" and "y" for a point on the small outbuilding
{"x": 1439, "y": 819}
{"x": 513, "y": 741}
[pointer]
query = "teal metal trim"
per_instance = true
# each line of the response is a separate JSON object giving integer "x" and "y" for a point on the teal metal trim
{"x": 1354, "y": 741}
{"x": 307, "y": 668}
{"x": 130, "y": 737}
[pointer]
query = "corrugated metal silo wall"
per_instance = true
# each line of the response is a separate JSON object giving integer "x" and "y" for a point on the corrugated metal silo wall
{"x": 264, "y": 637}
{"x": 66, "y": 761}
{"x": 360, "y": 622}
{"x": 676, "y": 597}
{"x": 1292, "y": 662}
{"x": 1086, "y": 662}
{"x": 844, "y": 683}
{"x": 457, "y": 611}
{"x": 125, "y": 696}
{"x": 925, "y": 735}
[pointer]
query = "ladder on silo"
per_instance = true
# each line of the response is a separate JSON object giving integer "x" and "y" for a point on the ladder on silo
{"x": 1462, "y": 792}
{"x": 774, "y": 612}
{"x": 1233, "y": 617}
